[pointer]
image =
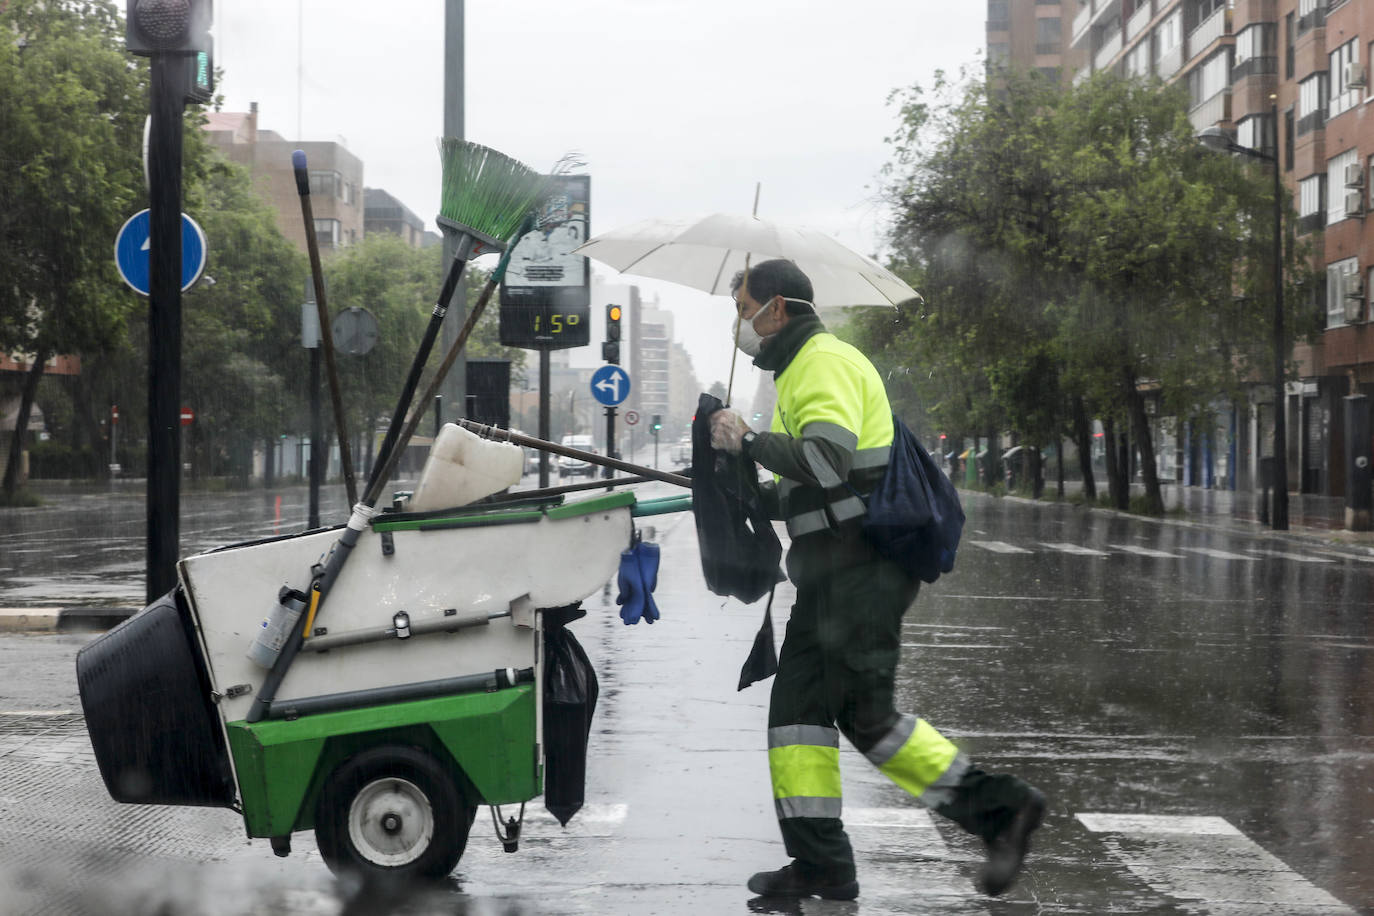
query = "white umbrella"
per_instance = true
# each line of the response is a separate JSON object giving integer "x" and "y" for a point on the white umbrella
{"x": 707, "y": 253}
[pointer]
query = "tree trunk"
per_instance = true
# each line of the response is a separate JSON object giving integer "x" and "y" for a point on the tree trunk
{"x": 1116, "y": 477}
{"x": 268, "y": 462}
{"x": 1037, "y": 471}
{"x": 1059, "y": 456}
{"x": 1140, "y": 428}
{"x": 21, "y": 425}
{"x": 992, "y": 469}
{"x": 86, "y": 421}
{"x": 1083, "y": 436}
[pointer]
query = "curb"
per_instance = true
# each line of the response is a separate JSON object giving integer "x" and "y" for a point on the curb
{"x": 62, "y": 620}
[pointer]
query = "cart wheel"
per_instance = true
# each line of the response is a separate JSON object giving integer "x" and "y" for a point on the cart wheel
{"x": 392, "y": 814}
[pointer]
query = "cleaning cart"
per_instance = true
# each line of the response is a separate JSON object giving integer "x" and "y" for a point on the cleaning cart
{"x": 420, "y": 700}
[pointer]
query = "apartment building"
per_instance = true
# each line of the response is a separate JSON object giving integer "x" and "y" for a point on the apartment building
{"x": 336, "y": 178}
{"x": 1289, "y": 78}
{"x": 1032, "y": 35}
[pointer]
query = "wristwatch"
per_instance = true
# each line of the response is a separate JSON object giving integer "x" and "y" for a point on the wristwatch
{"x": 746, "y": 441}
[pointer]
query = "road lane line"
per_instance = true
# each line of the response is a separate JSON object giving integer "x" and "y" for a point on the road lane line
{"x": 998, "y": 546}
{"x": 1283, "y": 554}
{"x": 1219, "y": 554}
{"x": 1147, "y": 551}
{"x": 1075, "y": 549}
{"x": 1209, "y": 861}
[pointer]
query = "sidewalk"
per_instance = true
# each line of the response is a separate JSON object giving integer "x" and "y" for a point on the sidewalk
{"x": 1311, "y": 519}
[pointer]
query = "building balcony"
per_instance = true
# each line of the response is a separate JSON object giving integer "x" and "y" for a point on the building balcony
{"x": 1215, "y": 110}
{"x": 1311, "y": 223}
{"x": 1313, "y": 20}
{"x": 1106, "y": 13}
{"x": 1310, "y": 122}
{"x": 1140, "y": 19}
{"x": 1169, "y": 63}
{"x": 1111, "y": 47}
{"x": 1254, "y": 65}
{"x": 1208, "y": 31}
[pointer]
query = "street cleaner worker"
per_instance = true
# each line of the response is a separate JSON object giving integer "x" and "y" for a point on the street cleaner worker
{"x": 830, "y": 439}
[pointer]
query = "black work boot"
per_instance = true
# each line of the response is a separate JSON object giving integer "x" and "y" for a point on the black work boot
{"x": 1008, "y": 847}
{"x": 796, "y": 880}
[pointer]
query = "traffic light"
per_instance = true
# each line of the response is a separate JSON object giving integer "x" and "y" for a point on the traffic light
{"x": 656, "y": 423}
{"x": 610, "y": 350}
{"x": 168, "y": 26}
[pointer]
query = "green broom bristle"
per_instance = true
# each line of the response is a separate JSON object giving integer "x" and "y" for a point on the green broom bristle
{"x": 485, "y": 190}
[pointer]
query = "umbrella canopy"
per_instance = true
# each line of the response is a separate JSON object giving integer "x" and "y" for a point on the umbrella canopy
{"x": 707, "y": 253}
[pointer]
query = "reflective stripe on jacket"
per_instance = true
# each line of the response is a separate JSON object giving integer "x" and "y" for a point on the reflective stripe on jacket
{"x": 832, "y": 400}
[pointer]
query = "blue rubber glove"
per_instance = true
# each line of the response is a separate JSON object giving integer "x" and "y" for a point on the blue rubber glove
{"x": 632, "y": 592}
{"x": 648, "y": 569}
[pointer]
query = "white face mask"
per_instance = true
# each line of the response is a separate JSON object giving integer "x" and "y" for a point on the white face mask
{"x": 747, "y": 338}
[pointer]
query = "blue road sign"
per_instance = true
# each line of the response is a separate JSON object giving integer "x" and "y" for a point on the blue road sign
{"x": 131, "y": 252}
{"x": 610, "y": 385}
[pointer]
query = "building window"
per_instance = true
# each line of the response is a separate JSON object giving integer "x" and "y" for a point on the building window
{"x": 1310, "y": 195}
{"x": 999, "y": 54}
{"x": 1255, "y": 132}
{"x": 1311, "y": 15}
{"x": 1341, "y": 277}
{"x": 1347, "y": 78}
{"x": 1256, "y": 50}
{"x": 999, "y": 15}
{"x": 1169, "y": 35}
{"x": 1213, "y": 76}
{"x": 1289, "y": 36}
{"x": 1138, "y": 60}
{"x": 1335, "y": 182}
{"x": 327, "y": 232}
{"x": 325, "y": 184}
{"x": 1047, "y": 36}
{"x": 1288, "y": 139}
{"x": 1050, "y": 73}
{"x": 1311, "y": 103}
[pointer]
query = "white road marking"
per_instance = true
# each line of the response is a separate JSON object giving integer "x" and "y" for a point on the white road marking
{"x": 590, "y": 813}
{"x": 1219, "y": 554}
{"x": 1147, "y": 551}
{"x": 1206, "y": 863}
{"x": 37, "y": 713}
{"x": 1075, "y": 549}
{"x": 1301, "y": 558}
{"x": 998, "y": 546}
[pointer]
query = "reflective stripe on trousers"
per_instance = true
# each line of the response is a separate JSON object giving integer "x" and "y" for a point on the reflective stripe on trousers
{"x": 804, "y": 762}
{"x": 919, "y": 759}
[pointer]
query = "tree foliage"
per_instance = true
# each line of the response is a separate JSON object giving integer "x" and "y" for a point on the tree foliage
{"x": 1072, "y": 244}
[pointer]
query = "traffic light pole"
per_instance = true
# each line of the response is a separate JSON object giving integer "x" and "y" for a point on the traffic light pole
{"x": 610, "y": 439}
{"x": 164, "y": 323}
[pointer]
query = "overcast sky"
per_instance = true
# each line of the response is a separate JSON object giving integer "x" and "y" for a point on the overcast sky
{"x": 679, "y": 108}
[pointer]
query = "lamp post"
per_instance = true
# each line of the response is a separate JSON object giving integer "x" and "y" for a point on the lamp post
{"x": 1216, "y": 139}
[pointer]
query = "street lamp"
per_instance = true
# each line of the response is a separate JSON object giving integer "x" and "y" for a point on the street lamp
{"x": 1217, "y": 140}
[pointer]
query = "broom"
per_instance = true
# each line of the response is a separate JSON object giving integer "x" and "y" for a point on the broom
{"x": 485, "y": 195}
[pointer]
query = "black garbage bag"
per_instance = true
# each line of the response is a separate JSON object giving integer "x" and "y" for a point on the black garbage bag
{"x": 740, "y": 551}
{"x": 570, "y": 692}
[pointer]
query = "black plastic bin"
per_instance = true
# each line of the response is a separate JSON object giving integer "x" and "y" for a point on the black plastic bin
{"x": 146, "y": 697}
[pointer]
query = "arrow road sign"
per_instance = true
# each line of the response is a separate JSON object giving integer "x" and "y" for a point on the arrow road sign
{"x": 610, "y": 385}
{"x": 131, "y": 252}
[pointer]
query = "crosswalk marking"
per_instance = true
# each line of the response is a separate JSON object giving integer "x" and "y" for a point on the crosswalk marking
{"x": 1207, "y": 860}
{"x": 1219, "y": 554}
{"x": 1283, "y": 554}
{"x": 998, "y": 546}
{"x": 1075, "y": 549}
{"x": 1146, "y": 551}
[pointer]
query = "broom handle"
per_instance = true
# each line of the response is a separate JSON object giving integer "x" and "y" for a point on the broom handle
{"x": 496, "y": 432}
{"x": 440, "y": 373}
{"x": 417, "y": 366}
{"x": 322, "y": 311}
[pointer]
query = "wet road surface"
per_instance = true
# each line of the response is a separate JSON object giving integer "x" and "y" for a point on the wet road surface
{"x": 1196, "y": 705}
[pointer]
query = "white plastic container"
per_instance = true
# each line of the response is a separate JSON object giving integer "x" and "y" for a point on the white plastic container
{"x": 463, "y": 467}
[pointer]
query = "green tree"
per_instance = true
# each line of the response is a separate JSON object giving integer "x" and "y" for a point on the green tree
{"x": 1075, "y": 247}
{"x": 71, "y": 117}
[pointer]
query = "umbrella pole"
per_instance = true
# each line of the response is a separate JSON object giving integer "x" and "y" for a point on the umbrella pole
{"x": 730, "y": 386}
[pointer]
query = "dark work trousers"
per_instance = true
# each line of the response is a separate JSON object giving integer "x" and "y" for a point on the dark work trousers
{"x": 836, "y": 669}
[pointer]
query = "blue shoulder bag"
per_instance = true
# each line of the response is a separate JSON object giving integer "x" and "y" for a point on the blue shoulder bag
{"x": 914, "y": 517}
